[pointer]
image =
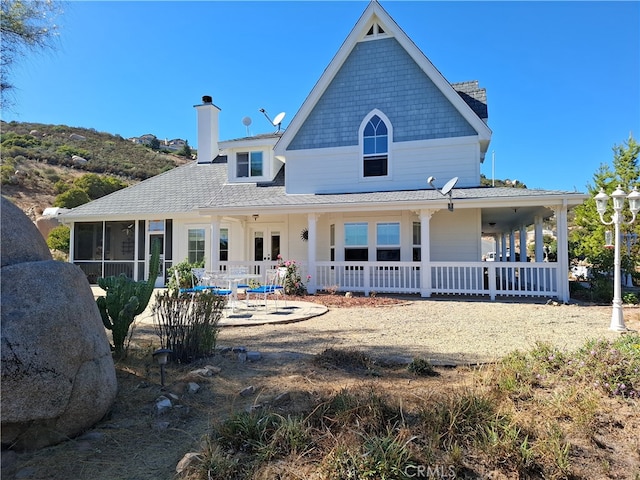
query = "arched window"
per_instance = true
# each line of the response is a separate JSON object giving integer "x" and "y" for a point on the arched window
{"x": 375, "y": 141}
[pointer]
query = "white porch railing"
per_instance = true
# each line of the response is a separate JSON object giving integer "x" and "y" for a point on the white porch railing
{"x": 510, "y": 279}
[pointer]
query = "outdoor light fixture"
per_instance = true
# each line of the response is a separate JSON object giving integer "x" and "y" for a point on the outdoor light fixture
{"x": 161, "y": 356}
{"x": 602, "y": 201}
{"x": 255, "y": 217}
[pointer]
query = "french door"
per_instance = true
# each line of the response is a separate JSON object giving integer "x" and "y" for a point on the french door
{"x": 265, "y": 244}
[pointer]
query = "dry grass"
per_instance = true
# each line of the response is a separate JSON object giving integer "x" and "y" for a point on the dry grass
{"x": 341, "y": 412}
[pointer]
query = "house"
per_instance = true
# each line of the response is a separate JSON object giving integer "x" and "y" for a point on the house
{"x": 373, "y": 186}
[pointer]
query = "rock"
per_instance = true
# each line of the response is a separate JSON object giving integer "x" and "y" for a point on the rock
{"x": 187, "y": 461}
{"x": 76, "y": 136}
{"x": 193, "y": 387}
{"x": 78, "y": 161}
{"x": 58, "y": 377}
{"x": 245, "y": 392}
{"x": 19, "y": 243}
{"x": 213, "y": 369}
{"x": 46, "y": 224}
{"x": 348, "y": 294}
{"x": 163, "y": 404}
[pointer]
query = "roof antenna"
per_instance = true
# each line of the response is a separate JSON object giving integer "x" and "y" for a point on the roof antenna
{"x": 446, "y": 190}
{"x": 276, "y": 122}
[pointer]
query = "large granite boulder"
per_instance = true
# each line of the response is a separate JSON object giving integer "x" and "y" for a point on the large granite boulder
{"x": 58, "y": 376}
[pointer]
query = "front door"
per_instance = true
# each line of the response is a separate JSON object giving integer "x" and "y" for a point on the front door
{"x": 159, "y": 237}
{"x": 266, "y": 245}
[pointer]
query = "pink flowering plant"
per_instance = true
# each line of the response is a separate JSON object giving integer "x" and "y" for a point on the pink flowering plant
{"x": 293, "y": 284}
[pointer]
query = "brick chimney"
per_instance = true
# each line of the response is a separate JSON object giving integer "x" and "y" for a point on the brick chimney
{"x": 208, "y": 132}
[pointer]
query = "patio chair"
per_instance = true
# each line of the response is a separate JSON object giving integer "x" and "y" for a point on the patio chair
{"x": 274, "y": 286}
{"x": 238, "y": 271}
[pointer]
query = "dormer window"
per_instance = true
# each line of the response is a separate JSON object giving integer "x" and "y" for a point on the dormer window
{"x": 249, "y": 164}
{"x": 375, "y": 141}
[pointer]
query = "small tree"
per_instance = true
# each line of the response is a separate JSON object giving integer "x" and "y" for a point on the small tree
{"x": 587, "y": 239}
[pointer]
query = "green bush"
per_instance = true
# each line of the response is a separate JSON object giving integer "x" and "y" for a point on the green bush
{"x": 70, "y": 151}
{"x": 72, "y": 198}
{"x": 59, "y": 239}
{"x": 187, "y": 280}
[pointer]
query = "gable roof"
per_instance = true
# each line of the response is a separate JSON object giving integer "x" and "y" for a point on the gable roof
{"x": 374, "y": 14}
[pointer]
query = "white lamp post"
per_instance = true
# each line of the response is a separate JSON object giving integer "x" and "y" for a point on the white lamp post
{"x": 602, "y": 201}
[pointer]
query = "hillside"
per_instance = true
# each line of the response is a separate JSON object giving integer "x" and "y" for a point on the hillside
{"x": 36, "y": 156}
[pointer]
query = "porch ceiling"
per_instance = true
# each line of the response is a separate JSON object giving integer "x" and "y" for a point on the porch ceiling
{"x": 504, "y": 219}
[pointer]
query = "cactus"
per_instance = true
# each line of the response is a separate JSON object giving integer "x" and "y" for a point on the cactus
{"x": 125, "y": 299}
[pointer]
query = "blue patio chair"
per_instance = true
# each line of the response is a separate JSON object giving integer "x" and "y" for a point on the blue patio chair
{"x": 274, "y": 286}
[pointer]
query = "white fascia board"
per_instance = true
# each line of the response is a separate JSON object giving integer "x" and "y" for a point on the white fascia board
{"x": 571, "y": 200}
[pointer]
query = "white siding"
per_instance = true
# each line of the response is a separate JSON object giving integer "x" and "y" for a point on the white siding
{"x": 455, "y": 236}
{"x": 338, "y": 170}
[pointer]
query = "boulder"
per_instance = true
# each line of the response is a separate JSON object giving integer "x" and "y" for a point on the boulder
{"x": 46, "y": 224}
{"x": 58, "y": 377}
{"x": 21, "y": 241}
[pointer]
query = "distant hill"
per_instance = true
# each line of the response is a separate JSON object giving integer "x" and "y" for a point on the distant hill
{"x": 35, "y": 156}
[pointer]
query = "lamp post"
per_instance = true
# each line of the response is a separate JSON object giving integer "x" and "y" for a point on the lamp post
{"x": 162, "y": 357}
{"x": 602, "y": 201}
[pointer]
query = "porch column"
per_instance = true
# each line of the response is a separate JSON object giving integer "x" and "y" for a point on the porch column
{"x": 312, "y": 220}
{"x": 539, "y": 241}
{"x": 512, "y": 246}
{"x": 563, "y": 252}
{"x": 523, "y": 243}
{"x": 503, "y": 247}
{"x": 214, "y": 261}
{"x": 425, "y": 252}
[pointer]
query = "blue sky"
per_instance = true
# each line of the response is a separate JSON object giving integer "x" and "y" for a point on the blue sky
{"x": 562, "y": 78}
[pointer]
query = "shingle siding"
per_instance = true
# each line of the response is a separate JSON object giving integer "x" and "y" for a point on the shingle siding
{"x": 380, "y": 74}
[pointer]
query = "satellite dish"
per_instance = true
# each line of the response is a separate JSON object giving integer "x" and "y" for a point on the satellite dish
{"x": 246, "y": 121}
{"x": 449, "y": 185}
{"x": 278, "y": 120}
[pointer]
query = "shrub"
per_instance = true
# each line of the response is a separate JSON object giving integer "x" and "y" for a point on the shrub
{"x": 187, "y": 324}
{"x": 293, "y": 284}
{"x": 74, "y": 197}
{"x": 187, "y": 280}
{"x": 422, "y": 367}
{"x": 59, "y": 239}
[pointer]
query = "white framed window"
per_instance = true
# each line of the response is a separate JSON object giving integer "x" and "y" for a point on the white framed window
{"x": 249, "y": 164}
{"x": 388, "y": 242}
{"x": 417, "y": 242}
{"x": 375, "y": 137}
{"x": 224, "y": 244}
{"x": 195, "y": 246}
{"x": 356, "y": 241}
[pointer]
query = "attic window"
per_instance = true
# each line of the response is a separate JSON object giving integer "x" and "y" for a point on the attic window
{"x": 375, "y": 31}
{"x": 249, "y": 164}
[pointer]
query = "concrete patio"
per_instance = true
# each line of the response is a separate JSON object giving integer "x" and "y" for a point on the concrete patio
{"x": 243, "y": 315}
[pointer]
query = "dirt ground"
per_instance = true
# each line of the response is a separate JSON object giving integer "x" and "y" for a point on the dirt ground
{"x": 135, "y": 442}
